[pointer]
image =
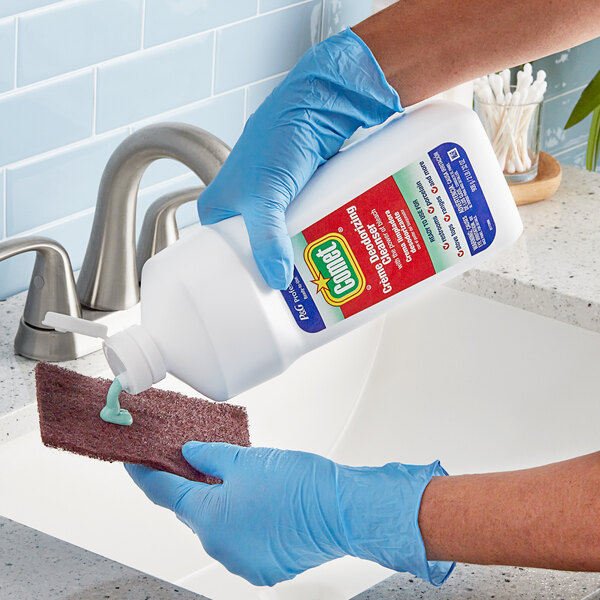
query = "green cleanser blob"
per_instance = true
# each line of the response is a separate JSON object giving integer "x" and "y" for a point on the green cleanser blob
{"x": 112, "y": 412}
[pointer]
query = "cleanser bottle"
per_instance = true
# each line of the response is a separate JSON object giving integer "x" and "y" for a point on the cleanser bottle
{"x": 418, "y": 202}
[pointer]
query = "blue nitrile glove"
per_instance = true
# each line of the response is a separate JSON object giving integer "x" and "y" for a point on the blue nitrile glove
{"x": 335, "y": 88}
{"x": 279, "y": 512}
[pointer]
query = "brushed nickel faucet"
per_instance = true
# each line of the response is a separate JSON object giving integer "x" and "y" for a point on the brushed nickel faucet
{"x": 159, "y": 228}
{"x": 107, "y": 289}
{"x": 108, "y": 280}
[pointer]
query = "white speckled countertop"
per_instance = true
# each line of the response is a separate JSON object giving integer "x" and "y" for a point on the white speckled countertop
{"x": 553, "y": 270}
{"x": 18, "y": 412}
{"x": 36, "y": 565}
{"x": 478, "y": 582}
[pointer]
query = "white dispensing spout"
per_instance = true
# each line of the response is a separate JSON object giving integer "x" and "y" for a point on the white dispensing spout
{"x": 131, "y": 354}
{"x": 69, "y": 324}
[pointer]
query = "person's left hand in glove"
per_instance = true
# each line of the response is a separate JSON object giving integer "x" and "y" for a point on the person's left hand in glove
{"x": 278, "y": 512}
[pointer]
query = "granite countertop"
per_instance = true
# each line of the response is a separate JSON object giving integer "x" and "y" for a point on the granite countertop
{"x": 554, "y": 267}
{"x": 68, "y": 572}
{"x": 552, "y": 270}
{"x": 18, "y": 413}
{"x": 479, "y": 582}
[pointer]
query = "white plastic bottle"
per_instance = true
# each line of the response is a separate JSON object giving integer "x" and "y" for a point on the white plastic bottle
{"x": 417, "y": 203}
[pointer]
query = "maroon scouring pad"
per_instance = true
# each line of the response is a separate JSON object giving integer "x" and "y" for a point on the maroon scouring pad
{"x": 69, "y": 407}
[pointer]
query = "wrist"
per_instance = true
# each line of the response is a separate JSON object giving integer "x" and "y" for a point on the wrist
{"x": 341, "y": 85}
{"x": 379, "y": 511}
{"x": 357, "y": 69}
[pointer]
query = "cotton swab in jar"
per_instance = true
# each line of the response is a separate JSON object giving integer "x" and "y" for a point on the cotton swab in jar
{"x": 507, "y": 116}
{"x": 505, "y": 80}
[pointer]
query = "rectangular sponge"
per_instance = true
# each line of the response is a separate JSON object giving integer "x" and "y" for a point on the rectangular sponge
{"x": 69, "y": 407}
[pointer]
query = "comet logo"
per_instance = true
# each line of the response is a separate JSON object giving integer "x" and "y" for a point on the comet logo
{"x": 336, "y": 272}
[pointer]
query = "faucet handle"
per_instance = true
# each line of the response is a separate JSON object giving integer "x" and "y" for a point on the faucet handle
{"x": 159, "y": 228}
{"x": 52, "y": 288}
{"x": 52, "y": 285}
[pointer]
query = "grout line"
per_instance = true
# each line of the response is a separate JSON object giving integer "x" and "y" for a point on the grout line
{"x": 42, "y": 9}
{"x": 143, "y": 23}
{"x": 577, "y": 89}
{"x": 192, "y": 105}
{"x": 82, "y": 213}
{"x": 258, "y": 7}
{"x": 245, "y": 104}
{"x": 213, "y": 74}
{"x": 167, "y": 182}
{"x": 322, "y": 20}
{"x": 241, "y": 87}
{"x": 576, "y": 147}
{"x": 4, "y": 205}
{"x": 94, "y": 109}
{"x": 16, "y": 51}
{"x": 270, "y": 12}
{"x": 66, "y": 148}
{"x": 47, "y": 82}
{"x": 56, "y": 223}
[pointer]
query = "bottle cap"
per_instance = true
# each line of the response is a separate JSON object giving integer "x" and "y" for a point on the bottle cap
{"x": 132, "y": 354}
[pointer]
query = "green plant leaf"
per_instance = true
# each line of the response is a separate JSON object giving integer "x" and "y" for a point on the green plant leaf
{"x": 593, "y": 145}
{"x": 589, "y": 100}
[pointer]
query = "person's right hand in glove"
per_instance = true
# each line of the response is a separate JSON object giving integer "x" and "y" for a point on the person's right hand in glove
{"x": 335, "y": 88}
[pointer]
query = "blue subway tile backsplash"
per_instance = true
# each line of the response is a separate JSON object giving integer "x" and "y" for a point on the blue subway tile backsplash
{"x": 571, "y": 69}
{"x": 267, "y": 5}
{"x": 39, "y": 119}
{"x": 14, "y": 7}
{"x": 339, "y": 14}
{"x": 222, "y": 116}
{"x": 153, "y": 81}
{"x": 7, "y": 55}
{"x": 555, "y": 113}
{"x": 259, "y": 48}
{"x": 58, "y": 185}
{"x": 88, "y": 72}
{"x": 186, "y": 214}
{"x": 167, "y": 20}
{"x": 76, "y": 35}
{"x": 568, "y": 73}
{"x": 15, "y": 273}
{"x": 2, "y": 232}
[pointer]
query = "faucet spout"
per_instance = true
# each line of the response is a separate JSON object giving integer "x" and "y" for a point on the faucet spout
{"x": 108, "y": 279}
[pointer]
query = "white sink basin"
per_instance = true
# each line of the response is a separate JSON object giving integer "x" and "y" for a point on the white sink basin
{"x": 475, "y": 383}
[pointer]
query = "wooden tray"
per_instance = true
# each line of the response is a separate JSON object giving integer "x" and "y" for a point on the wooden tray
{"x": 543, "y": 186}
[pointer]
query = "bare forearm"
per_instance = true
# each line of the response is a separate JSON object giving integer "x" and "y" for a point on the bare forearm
{"x": 429, "y": 46}
{"x": 544, "y": 517}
